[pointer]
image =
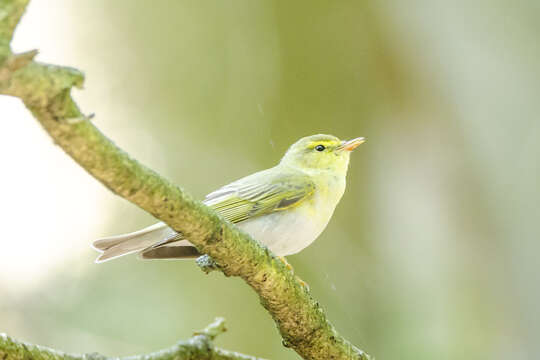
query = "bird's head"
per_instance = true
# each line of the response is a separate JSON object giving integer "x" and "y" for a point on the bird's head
{"x": 321, "y": 152}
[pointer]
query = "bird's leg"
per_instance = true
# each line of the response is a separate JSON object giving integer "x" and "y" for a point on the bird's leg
{"x": 284, "y": 261}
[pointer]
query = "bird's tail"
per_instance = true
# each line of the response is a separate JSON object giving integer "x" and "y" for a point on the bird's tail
{"x": 115, "y": 246}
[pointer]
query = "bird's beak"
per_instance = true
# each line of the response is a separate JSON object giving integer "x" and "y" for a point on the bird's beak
{"x": 350, "y": 145}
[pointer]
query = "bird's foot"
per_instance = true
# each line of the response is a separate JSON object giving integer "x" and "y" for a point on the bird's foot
{"x": 207, "y": 264}
{"x": 287, "y": 265}
{"x": 303, "y": 283}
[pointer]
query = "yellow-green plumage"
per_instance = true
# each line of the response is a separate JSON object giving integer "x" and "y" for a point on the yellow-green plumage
{"x": 284, "y": 208}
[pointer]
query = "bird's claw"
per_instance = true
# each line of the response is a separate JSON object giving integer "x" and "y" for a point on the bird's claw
{"x": 303, "y": 283}
{"x": 284, "y": 262}
{"x": 289, "y": 266}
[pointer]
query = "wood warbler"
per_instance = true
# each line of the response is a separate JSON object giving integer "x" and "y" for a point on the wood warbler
{"x": 284, "y": 208}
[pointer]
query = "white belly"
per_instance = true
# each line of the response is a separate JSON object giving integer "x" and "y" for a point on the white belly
{"x": 289, "y": 231}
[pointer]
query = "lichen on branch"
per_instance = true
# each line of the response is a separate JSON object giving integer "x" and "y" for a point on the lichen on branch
{"x": 198, "y": 347}
{"x": 46, "y": 92}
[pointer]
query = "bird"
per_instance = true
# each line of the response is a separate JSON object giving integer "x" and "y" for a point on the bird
{"x": 284, "y": 208}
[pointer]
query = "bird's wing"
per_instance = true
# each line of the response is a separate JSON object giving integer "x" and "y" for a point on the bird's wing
{"x": 255, "y": 195}
{"x": 261, "y": 193}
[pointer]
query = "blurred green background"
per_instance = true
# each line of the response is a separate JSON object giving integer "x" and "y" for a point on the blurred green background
{"x": 433, "y": 252}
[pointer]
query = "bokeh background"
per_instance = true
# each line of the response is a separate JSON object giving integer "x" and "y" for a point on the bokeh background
{"x": 433, "y": 253}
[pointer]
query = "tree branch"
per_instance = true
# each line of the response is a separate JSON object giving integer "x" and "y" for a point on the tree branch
{"x": 45, "y": 90}
{"x": 199, "y": 347}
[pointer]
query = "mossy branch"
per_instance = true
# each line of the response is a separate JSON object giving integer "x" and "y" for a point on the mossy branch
{"x": 45, "y": 90}
{"x": 198, "y": 347}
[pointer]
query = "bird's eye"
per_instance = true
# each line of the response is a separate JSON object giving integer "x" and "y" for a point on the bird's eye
{"x": 320, "y": 148}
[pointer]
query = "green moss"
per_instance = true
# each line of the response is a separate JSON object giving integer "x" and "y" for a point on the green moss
{"x": 199, "y": 347}
{"x": 46, "y": 91}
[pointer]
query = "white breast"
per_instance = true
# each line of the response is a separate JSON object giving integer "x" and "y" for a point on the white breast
{"x": 289, "y": 231}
